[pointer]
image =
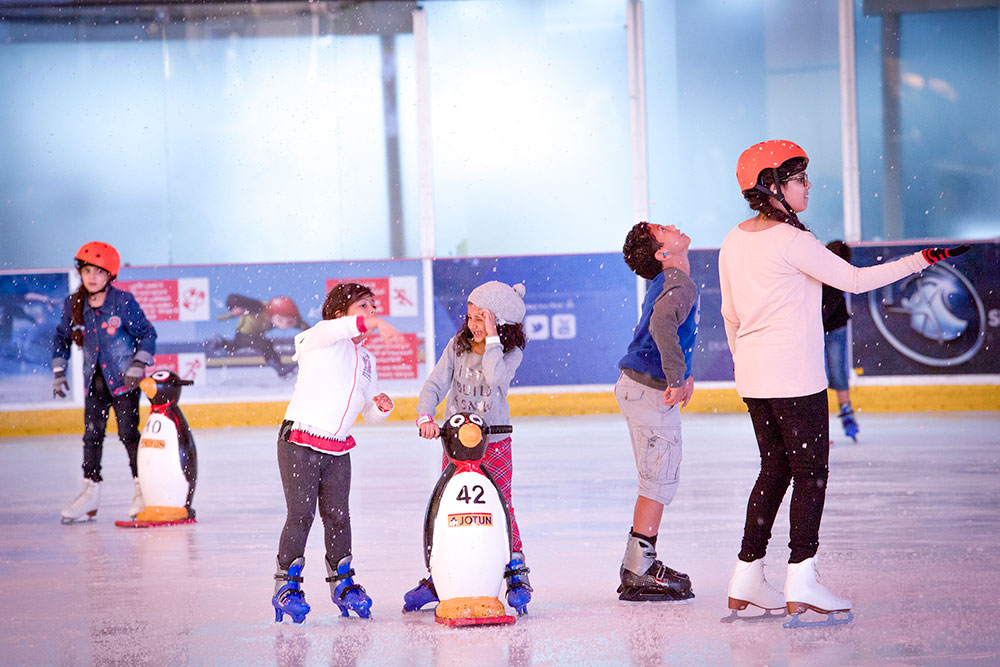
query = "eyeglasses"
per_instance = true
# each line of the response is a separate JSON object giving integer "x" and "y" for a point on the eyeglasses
{"x": 801, "y": 177}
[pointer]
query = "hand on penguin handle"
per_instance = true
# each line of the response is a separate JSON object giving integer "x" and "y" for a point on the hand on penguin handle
{"x": 134, "y": 374}
{"x": 383, "y": 402}
{"x": 60, "y": 387}
{"x": 429, "y": 430}
{"x": 933, "y": 255}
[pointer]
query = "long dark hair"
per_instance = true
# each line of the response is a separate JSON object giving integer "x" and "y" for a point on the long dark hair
{"x": 76, "y": 303}
{"x": 759, "y": 201}
{"x": 340, "y": 298}
{"x": 511, "y": 336}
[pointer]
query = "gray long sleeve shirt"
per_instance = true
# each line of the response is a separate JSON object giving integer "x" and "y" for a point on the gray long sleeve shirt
{"x": 472, "y": 382}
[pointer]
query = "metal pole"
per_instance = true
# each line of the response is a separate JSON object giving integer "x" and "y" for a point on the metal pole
{"x": 393, "y": 171}
{"x": 637, "y": 109}
{"x": 893, "y": 164}
{"x": 425, "y": 180}
{"x": 849, "y": 124}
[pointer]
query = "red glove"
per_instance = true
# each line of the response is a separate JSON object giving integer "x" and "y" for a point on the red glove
{"x": 933, "y": 255}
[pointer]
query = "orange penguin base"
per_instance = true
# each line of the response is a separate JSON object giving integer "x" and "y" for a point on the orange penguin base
{"x": 471, "y": 611}
{"x": 155, "y": 516}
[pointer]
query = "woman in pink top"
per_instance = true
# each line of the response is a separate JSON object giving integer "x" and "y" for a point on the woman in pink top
{"x": 771, "y": 271}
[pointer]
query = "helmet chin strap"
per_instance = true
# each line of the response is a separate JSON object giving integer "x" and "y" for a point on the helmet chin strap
{"x": 779, "y": 196}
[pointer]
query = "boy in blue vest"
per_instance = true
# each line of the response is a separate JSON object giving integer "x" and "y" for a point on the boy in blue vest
{"x": 655, "y": 383}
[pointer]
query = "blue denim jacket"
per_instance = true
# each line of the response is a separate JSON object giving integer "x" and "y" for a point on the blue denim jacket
{"x": 114, "y": 335}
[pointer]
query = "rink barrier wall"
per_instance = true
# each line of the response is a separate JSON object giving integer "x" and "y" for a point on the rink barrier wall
{"x": 910, "y": 398}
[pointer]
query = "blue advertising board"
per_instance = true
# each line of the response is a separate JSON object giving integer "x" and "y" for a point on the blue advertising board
{"x": 943, "y": 320}
{"x": 580, "y": 312}
{"x": 30, "y": 307}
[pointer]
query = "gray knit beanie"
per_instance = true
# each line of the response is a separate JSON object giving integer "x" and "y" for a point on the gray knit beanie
{"x": 501, "y": 299}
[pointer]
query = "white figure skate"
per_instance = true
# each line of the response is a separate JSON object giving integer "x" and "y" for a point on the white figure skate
{"x": 803, "y": 591}
{"x": 749, "y": 587}
{"x": 84, "y": 506}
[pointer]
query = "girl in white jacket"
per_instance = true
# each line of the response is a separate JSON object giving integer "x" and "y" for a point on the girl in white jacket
{"x": 336, "y": 382}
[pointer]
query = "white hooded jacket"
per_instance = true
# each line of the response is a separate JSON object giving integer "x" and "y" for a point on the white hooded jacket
{"x": 336, "y": 380}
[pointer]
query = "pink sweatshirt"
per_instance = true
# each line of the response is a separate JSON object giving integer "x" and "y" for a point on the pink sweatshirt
{"x": 771, "y": 284}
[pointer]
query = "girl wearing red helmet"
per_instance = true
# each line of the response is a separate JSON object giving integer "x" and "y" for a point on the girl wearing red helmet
{"x": 771, "y": 270}
{"x": 118, "y": 342}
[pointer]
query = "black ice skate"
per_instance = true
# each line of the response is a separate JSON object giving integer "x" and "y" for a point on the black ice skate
{"x": 646, "y": 579}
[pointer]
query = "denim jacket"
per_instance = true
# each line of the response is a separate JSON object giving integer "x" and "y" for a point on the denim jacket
{"x": 114, "y": 335}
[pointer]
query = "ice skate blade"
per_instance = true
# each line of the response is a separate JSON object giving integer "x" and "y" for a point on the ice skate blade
{"x": 86, "y": 518}
{"x": 641, "y": 596}
{"x": 831, "y": 619}
{"x": 769, "y": 614}
{"x": 362, "y": 613}
{"x": 646, "y": 603}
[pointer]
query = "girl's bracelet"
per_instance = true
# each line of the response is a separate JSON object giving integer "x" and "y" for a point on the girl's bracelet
{"x": 423, "y": 419}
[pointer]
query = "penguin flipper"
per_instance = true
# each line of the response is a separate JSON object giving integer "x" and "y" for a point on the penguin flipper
{"x": 432, "y": 510}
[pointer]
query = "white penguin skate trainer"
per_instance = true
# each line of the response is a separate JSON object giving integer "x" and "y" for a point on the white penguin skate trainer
{"x": 749, "y": 587}
{"x": 138, "y": 504}
{"x": 803, "y": 591}
{"x": 84, "y": 506}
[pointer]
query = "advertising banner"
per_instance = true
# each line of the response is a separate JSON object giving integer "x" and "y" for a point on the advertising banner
{"x": 712, "y": 360}
{"x": 943, "y": 320}
{"x": 30, "y": 307}
{"x": 580, "y": 312}
{"x": 230, "y": 328}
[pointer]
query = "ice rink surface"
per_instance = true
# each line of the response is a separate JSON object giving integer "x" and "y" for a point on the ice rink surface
{"x": 911, "y": 534}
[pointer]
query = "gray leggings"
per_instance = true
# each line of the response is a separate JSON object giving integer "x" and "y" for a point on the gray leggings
{"x": 309, "y": 476}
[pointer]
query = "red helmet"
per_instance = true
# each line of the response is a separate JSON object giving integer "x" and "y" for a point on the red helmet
{"x": 99, "y": 254}
{"x": 765, "y": 155}
{"x": 282, "y": 305}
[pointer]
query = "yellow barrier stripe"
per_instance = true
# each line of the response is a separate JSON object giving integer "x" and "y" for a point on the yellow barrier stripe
{"x": 915, "y": 398}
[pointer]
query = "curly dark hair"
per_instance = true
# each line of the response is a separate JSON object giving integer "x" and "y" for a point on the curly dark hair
{"x": 761, "y": 202}
{"x": 640, "y": 251}
{"x": 511, "y": 336}
{"x": 340, "y": 298}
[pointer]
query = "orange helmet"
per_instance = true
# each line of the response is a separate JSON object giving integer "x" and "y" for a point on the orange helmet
{"x": 765, "y": 155}
{"x": 99, "y": 254}
{"x": 282, "y": 305}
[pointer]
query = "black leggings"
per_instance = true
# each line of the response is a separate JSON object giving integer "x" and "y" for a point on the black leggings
{"x": 96, "y": 406}
{"x": 793, "y": 435}
{"x": 309, "y": 476}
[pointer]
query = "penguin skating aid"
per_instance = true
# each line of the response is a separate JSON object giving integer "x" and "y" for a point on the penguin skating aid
{"x": 168, "y": 460}
{"x": 467, "y": 541}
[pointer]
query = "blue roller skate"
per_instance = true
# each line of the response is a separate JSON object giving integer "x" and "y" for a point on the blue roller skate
{"x": 288, "y": 596}
{"x": 423, "y": 594}
{"x": 847, "y": 421}
{"x": 518, "y": 588}
{"x": 346, "y": 594}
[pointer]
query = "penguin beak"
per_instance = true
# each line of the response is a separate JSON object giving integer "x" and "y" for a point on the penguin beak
{"x": 470, "y": 435}
{"x": 148, "y": 386}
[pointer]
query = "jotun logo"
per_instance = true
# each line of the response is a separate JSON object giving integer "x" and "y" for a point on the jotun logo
{"x": 150, "y": 442}
{"x": 934, "y": 317}
{"x": 462, "y": 520}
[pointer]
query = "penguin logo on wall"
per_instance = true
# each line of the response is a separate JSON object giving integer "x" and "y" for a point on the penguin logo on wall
{"x": 467, "y": 542}
{"x": 168, "y": 460}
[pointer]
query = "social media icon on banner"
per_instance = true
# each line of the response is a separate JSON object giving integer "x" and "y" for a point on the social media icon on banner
{"x": 564, "y": 326}
{"x": 536, "y": 327}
